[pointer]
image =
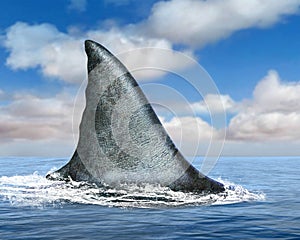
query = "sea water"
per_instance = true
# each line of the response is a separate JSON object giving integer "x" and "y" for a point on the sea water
{"x": 261, "y": 201}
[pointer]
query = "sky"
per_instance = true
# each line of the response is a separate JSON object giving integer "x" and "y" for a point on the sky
{"x": 249, "y": 50}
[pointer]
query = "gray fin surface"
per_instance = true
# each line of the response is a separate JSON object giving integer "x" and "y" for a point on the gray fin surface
{"x": 121, "y": 140}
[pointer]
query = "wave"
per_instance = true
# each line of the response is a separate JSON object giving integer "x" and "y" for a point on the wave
{"x": 35, "y": 190}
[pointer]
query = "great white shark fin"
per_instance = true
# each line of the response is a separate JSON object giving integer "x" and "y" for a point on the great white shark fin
{"x": 121, "y": 138}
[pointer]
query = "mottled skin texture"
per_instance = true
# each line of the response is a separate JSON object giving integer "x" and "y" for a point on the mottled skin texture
{"x": 121, "y": 138}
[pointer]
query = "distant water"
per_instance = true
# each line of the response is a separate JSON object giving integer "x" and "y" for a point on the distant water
{"x": 261, "y": 201}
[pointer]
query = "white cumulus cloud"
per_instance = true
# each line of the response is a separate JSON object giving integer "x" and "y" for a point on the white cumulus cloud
{"x": 199, "y": 22}
{"x": 272, "y": 114}
{"x": 61, "y": 55}
{"x": 215, "y": 104}
{"x": 57, "y": 54}
{"x": 29, "y": 117}
{"x": 194, "y": 127}
{"x": 193, "y": 136}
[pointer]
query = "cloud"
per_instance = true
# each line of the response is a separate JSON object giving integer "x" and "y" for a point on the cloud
{"x": 77, "y": 5}
{"x": 187, "y": 132}
{"x": 166, "y": 103}
{"x": 197, "y": 23}
{"x": 271, "y": 94}
{"x": 272, "y": 114}
{"x": 57, "y": 54}
{"x": 61, "y": 55}
{"x": 193, "y": 136}
{"x": 32, "y": 125}
{"x": 29, "y": 117}
{"x": 194, "y": 127}
{"x": 215, "y": 104}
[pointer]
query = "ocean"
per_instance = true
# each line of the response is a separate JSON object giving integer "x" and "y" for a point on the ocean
{"x": 262, "y": 201}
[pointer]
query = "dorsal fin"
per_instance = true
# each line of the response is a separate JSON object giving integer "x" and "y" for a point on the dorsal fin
{"x": 121, "y": 138}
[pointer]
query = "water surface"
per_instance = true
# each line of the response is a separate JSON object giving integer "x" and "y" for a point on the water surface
{"x": 261, "y": 202}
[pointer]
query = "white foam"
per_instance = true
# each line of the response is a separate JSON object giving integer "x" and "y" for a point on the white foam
{"x": 36, "y": 191}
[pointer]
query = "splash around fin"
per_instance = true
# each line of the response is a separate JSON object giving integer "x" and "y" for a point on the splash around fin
{"x": 121, "y": 138}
